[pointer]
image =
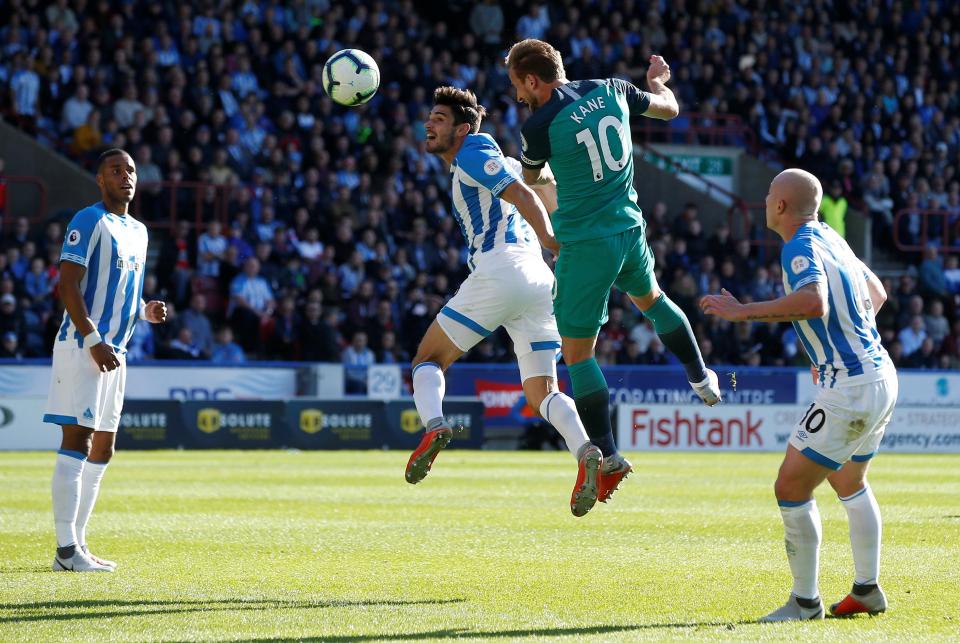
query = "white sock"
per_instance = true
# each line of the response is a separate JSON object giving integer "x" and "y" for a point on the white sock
{"x": 89, "y": 488}
{"x": 560, "y": 411}
{"x": 66, "y": 495}
{"x": 428, "y": 389}
{"x": 863, "y": 514}
{"x": 803, "y": 532}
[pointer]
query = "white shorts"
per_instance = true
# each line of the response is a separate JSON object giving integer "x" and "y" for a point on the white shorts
{"x": 514, "y": 290}
{"x": 846, "y": 423}
{"x": 81, "y": 394}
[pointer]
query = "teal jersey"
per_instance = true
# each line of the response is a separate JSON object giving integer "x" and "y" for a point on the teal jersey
{"x": 584, "y": 132}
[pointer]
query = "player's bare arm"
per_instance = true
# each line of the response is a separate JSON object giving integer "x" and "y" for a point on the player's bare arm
{"x": 548, "y": 196}
{"x": 809, "y": 302}
{"x": 539, "y": 176}
{"x": 532, "y": 210}
{"x": 663, "y": 104}
{"x": 70, "y": 276}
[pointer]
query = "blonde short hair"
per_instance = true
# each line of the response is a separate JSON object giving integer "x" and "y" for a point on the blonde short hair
{"x": 536, "y": 57}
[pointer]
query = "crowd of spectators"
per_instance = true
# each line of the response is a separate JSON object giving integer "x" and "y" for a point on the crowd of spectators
{"x": 328, "y": 235}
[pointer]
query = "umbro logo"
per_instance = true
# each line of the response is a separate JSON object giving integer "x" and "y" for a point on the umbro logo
{"x": 87, "y": 414}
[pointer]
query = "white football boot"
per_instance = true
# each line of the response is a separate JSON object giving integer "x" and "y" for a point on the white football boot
{"x": 79, "y": 562}
{"x": 97, "y": 559}
{"x": 708, "y": 389}
{"x": 794, "y": 611}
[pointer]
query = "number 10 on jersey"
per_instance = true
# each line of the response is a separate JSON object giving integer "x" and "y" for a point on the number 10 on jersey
{"x": 585, "y": 136}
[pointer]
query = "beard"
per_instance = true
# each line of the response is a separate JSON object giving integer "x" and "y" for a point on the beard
{"x": 440, "y": 144}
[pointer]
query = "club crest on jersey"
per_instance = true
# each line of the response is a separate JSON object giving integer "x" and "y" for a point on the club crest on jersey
{"x": 799, "y": 264}
{"x": 523, "y": 142}
{"x": 73, "y": 238}
{"x": 492, "y": 166}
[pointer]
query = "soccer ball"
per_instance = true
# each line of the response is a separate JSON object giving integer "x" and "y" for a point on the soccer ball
{"x": 351, "y": 77}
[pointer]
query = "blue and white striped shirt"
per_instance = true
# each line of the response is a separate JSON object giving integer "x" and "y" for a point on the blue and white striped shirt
{"x": 26, "y": 90}
{"x": 843, "y": 344}
{"x": 113, "y": 249}
{"x": 480, "y": 174}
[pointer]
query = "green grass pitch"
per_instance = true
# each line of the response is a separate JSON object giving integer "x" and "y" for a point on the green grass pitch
{"x": 336, "y": 546}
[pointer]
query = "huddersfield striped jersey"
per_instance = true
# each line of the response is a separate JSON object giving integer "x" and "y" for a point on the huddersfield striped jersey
{"x": 844, "y": 344}
{"x": 480, "y": 174}
{"x": 113, "y": 249}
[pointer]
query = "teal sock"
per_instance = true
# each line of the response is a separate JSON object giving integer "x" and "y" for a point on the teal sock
{"x": 587, "y": 377}
{"x": 592, "y": 398}
{"x": 675, "y": 332}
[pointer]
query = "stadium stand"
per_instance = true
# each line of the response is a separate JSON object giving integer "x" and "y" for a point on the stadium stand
{"x": 334, "y": 223}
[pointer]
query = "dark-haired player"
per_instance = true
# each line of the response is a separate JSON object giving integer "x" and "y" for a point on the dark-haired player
{"x": 510, "y": 285}
{"x": 101, "y": 283}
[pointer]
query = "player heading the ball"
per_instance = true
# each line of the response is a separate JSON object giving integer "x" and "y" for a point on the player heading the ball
{"x": 510, "y": 285}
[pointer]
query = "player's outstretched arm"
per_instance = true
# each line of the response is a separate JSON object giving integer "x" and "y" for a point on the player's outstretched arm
{"x": 70, "y": 276}
{"x": 532, "y": 210}
{"x": 663, "y": 104}
{"x": 809, "y": 302}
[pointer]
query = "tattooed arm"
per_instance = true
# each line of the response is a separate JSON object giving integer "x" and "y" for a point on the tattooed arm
{"x": 808, "y": 302}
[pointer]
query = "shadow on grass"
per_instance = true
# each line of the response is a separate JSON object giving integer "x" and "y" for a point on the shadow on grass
{"x": 25, "y": 569}
{"x": 147, "y": 608}
{"x": 461, "y": 633}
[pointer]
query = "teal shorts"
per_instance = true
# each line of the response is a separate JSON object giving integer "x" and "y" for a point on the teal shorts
{"x": 587, "y": 270}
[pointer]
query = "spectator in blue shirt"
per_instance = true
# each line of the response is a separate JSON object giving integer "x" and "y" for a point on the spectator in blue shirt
{"x": 356, "y": 358}
{"x": 195, "y": 319}
{"x": 226, "y": 351}
{"x": 211, "y": 249}
{"x": 251, "y": 304}
{"x": 141, "y": 345}
{"x": 36, "y": 283}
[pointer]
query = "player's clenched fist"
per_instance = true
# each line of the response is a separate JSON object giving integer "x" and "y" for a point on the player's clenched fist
{"x": 155, "y": 312}
{"x": 659, "y": 70}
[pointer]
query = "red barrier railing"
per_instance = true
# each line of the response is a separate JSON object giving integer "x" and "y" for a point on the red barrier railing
{"x": 39, "y": 215}
{"x": 158, "y": 204}
{"x": 939, "y": 228}
{"x": 696, "y": 128}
